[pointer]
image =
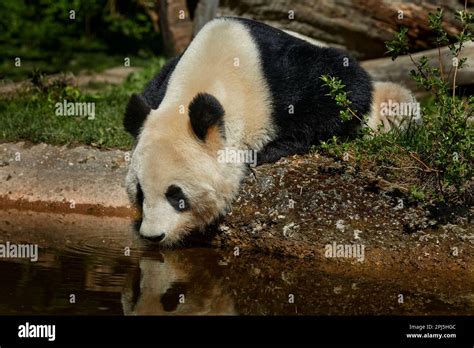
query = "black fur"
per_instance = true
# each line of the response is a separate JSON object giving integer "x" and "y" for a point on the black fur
{"x": 155, "y": 90}
{"x": 292, "y": 68}
{"x": 177, "y": 198}
{"x": 205, "y": 111}
{"x": 140, "y": 197}
{"x": 135, "y": 114}
{"x": 139, "y": 106}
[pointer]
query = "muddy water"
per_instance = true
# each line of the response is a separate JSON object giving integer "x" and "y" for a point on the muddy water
{"x": 95, "y": 265}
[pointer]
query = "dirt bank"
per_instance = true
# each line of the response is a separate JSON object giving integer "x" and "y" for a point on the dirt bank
{"x": 303, "y": 207}
{"x": 296, "y": 207}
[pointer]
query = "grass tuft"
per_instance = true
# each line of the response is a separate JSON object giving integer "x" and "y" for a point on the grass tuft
{"x": 31, "y": 114}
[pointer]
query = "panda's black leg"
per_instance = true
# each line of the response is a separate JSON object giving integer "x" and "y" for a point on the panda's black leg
{"x": 278, "y": 149}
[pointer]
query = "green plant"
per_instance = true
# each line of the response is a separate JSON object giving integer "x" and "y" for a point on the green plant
{"x": 337, "y": 91}
{"x": 417, "y": 193}
{"x": 442, "y": 147}
{"x": 446, "y": 138}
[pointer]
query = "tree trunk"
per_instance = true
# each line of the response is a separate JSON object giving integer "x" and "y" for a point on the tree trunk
{"x": 205, "y": 11}
{"x": 176, "y": 25}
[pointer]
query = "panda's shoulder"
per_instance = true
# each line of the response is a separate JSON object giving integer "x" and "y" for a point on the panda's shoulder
{"x": 155, "y": 89}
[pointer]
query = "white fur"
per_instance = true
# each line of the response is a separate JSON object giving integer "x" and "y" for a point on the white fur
{"x": 385, "y": 93}
{"x": 208, "y": 66}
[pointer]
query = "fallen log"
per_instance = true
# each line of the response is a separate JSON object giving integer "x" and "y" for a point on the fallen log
{"x": 385, "y": 69}
{"x": 361, "y": 26}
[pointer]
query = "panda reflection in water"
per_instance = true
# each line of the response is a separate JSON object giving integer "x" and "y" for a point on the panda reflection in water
{"x": 239, "y": 85}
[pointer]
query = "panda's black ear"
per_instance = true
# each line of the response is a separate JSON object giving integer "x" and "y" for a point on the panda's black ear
{"x": 135, "y": 114}
{"x": 205, "y": 111}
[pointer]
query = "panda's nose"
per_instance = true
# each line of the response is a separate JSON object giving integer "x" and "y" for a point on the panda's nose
{"x": 157, "y": 238}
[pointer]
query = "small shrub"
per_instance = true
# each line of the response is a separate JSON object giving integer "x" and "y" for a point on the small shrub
{"x": 441, "y": 150}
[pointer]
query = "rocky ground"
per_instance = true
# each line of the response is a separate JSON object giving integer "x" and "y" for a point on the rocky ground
{"x": 296, "y": 207}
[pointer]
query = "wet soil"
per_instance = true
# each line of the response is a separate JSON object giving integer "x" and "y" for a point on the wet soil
{"x": 296, "y": 207}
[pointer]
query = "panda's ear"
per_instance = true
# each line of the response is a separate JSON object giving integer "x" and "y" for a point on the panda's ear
{"x": 206, "y": 112}
{"x": 136, "y": 114}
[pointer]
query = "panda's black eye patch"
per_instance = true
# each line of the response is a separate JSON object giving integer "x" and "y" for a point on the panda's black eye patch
{"x": 177, "y": 198}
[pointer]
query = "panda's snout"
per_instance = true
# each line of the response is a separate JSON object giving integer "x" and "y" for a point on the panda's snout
{"x": 150, "y": 230}
{"x": 155, "y": 238}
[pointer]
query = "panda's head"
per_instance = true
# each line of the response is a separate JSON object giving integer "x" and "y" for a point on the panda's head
{"x": 174, "y": 176}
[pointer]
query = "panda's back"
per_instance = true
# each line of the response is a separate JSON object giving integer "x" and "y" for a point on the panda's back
{"x": 268, "y": 82}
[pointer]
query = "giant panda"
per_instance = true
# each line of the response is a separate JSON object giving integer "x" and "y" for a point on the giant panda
{"x": 239, "y": 85}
